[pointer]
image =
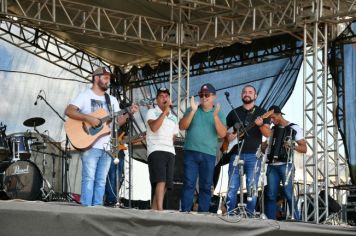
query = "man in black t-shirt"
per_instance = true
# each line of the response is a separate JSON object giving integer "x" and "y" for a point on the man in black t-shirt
{"x": 249, "y": 126}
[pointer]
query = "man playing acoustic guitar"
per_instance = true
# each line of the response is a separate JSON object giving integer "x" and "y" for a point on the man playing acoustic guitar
{"x": 86, "y": 118}
{"x": 254, "y": 127}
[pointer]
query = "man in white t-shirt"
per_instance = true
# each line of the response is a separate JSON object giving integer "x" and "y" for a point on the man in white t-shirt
{"x": 162, "y": 126}
{"x": 287, "y": 138}
{"x": 95, "y": 160}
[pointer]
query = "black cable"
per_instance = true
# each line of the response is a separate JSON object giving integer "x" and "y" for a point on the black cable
{"x": 45, "y": 76}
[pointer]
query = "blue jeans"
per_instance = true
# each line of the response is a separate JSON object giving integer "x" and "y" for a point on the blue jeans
{"x": 276, "y": 174}
{"x": 234, "y": 180}
{"x": 116, "y": 172}
{"x": 95, "y": 167}
{"x": 197, "y": 163}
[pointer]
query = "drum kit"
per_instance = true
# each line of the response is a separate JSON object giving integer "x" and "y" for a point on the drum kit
{"x": 21, "y": 157}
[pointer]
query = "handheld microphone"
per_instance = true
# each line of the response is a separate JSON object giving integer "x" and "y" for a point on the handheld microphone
{"x": 170, "y": 105}
{"x": 38, "y": 97}
{"x": 227, "y": 94}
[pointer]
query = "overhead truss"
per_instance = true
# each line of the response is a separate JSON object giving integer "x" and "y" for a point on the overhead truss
{"x": 225, "y": 58}
{"x": 205, "y": 24}
{"x": 50, "y": 48}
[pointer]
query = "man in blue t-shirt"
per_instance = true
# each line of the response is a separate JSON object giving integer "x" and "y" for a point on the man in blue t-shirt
{"x": 204, "y": 124}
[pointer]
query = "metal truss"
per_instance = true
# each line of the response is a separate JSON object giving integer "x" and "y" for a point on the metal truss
{"x": 92, "y": 20}
{"x": 220, "y": 22}
{"x": 324, "y": 164}
{"x": 315, "y": 120}
{"x": 50, "y": 48}
{"x": 179, "y": 83}
{"x": 204, "y": 24}
{"x": 225, "y": 58}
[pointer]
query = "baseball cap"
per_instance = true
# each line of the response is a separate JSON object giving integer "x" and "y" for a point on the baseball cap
{"x": 101, "y": 71}
{"x": 207, "y": 88}
{"x": 162, "y": 90}
{"x": 276, "y": 109}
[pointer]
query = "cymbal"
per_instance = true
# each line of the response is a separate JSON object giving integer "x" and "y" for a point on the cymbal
{"x": 34, "y": 121}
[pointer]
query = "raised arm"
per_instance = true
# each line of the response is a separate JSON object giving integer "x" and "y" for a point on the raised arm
{"x": 184, "y": 123}
{"x": 220, "y": 127}
{"x": 157, "y": 123}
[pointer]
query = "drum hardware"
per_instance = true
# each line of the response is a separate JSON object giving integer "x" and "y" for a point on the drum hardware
{"x": 47, "y": 195}
{"x": 29, "y": 179}
{"x": 38, "y": 145}
{"x": 4, "y": 144}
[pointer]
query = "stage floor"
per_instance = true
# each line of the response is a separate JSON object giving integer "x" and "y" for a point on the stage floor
{"x": 37, "y": 218}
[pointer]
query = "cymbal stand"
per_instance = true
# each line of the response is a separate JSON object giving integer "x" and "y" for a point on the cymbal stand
{"x": 65, "y": 155}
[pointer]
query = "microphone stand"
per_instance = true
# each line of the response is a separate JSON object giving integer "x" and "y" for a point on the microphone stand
{"x": 236, "y": 115}
{"x": 241, "y": 206}
{"x": 130, "y": 147}
{"x": 65, "y": 155}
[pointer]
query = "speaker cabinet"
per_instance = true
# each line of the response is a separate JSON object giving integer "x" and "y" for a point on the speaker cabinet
{"x": 172, "y": 197}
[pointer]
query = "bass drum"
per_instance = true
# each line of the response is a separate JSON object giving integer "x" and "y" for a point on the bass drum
{"x": 23, "y": 180}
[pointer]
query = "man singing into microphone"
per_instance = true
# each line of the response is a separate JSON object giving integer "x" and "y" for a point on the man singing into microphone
{"x": 95, "y": 160}
{"x": 254, "y": 127}
{"x": 162, "y": 127}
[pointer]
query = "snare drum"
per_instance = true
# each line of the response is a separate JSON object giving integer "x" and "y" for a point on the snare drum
{"x": 20, "y": 146}
{"x": 23, "y": 180}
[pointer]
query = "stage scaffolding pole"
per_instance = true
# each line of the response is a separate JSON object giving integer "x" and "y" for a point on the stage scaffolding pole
{"x": 323, "y": 165}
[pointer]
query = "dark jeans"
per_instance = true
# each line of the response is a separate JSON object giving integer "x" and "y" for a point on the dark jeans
{"x": 276, "y": 174}
{"x": 197, "y": 163}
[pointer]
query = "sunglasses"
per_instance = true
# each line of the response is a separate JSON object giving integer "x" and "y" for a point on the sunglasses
{"x": 201, "y": 95}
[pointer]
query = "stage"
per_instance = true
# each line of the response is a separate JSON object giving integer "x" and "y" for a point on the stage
{"x": 20, "y": 217}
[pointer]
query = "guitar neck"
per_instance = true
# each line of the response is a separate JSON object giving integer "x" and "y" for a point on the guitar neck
{"x": 107, "y": 118}
{"x": 253, "y": 124}
{"x": 244, "y": 130}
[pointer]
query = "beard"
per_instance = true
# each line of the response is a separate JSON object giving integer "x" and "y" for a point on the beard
{"x": 247, "y": 100}
{"x": 103, "y": 86}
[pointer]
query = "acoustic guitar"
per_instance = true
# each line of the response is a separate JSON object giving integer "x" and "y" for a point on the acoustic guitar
{"x": 82, "y": 135}
{"x": 227, "y": 146}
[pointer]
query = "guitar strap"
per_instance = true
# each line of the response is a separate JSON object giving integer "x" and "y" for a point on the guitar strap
{"x": 108, "y": 103}
{"x": 249, "y": 117}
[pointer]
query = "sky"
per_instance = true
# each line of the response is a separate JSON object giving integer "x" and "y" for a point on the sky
{"x": 19, "y": 92}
